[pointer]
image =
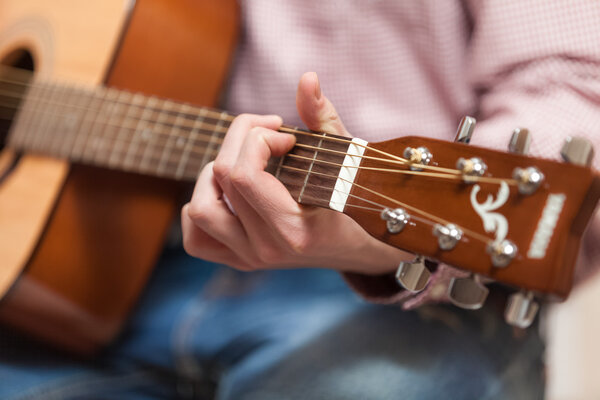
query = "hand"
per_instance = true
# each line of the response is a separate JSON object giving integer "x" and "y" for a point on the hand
{"x": 269, "y": 229}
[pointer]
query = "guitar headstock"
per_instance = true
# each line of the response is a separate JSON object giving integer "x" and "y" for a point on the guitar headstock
{"x": 503, "y": 216}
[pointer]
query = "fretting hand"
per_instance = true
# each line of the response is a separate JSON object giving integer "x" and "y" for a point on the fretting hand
{"x": 269, "y": 229}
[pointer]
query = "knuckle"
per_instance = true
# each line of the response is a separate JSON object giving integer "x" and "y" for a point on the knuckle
{"x": 299, "y": 243}
{"x": 268, "y": 256}
{"x": 240, "y": 177}
{"x": 199, "y": 213}
{"x": 221, "y": 170}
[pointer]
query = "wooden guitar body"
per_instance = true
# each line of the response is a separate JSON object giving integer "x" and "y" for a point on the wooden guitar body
{"x": 83, "y": 240}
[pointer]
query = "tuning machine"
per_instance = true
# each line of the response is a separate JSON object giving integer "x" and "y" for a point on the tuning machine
{"x": 469, "y": 293}
{"x": 413, "y": 275}
{"x": 396, "y": 219}
{"x": 578, "y": 151}
{"x": 521, "y": 309}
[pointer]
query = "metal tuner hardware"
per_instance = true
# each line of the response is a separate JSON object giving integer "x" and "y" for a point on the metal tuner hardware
{"x": 448, "y": 235}
{"x": 471, "y": 167}
{"x": 413, "y": 275}
{"x": 465, "y": 130}
{"x": 468, "y": 293}
{"x": 519, "y": 141}
{"x": 502, "y": 253}
{"x": 417, "y": 156}
{"x": 396, "y": 219}
{"x": 521, "y": 309}
{"x": 578, "y": 151}
{"x": 529, "y": 179}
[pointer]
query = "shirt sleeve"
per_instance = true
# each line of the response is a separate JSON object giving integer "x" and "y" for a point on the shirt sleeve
{"x": 535, "y": 65}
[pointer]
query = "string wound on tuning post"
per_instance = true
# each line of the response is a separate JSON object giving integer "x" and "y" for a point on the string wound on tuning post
{"x": 417, "y": 156}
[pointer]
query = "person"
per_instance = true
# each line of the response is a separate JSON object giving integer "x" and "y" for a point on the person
{"x": 390, "y": 68}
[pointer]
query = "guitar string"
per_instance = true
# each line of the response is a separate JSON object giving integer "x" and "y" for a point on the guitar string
{"x": 211, "y": 113}
{"x": 382, "y": 207}
{"x": 439, "y": 220}
{"x": 203, "y": 134}
{"x": 400, "y": 171}
{"x": 475, "y": 235}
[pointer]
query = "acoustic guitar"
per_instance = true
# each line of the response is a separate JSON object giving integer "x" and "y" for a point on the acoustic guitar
{"x": 108, "y": 158}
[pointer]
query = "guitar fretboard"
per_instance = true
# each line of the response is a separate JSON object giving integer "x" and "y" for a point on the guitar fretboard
{"x": 153, "y": 136}
{"x": 119, "y": 130}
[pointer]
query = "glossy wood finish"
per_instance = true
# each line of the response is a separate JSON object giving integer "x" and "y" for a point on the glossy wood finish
{"x": 55, "y": 33}
{"x": 108, "y": 227}
{"x": 450, "y": 200}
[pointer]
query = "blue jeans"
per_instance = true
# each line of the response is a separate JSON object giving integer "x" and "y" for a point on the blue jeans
{"x": 205, "y": 331}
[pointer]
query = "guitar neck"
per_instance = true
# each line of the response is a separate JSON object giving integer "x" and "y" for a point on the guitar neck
{"x": 153, "y": 136}
{"x": 118, "y": 130}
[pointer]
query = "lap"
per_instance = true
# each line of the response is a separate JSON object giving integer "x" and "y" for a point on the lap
{"x": 206, "y": 330}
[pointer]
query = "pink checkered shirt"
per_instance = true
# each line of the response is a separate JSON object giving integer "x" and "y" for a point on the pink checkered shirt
{"x": 416, "y": 67}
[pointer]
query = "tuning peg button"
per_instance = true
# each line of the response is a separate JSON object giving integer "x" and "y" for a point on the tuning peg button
{"x": 519, "y": 141}
{"x": 413, "y": 275}
{"x": 521, "y": 309}
{"x": 578, "y": 151}
{"x": 465, "y": 129}
{"x": 468, "y": 293}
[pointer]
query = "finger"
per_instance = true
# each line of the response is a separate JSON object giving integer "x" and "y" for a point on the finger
{"x": 209, "y": 212}
{"x": 271, "y": 220}
{"x": 315, "y": 109}
{"x": 198, "y": 243}
{"x": 236, "y": 133}
{"x": 259, "y": 188}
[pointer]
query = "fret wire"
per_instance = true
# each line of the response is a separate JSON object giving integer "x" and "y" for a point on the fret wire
{"x": 20, "y": 132}
{"x": 312, "y": 163}
{"x": 139, "y": 105}
{"x": 26, "y": 123}
{"x": 38, "y": 125}
{"x": 109, "y": 109}
{"x": 53, "y": 126}
{"x": 146, "y": 132}
{"x": 168, "y": 147}
{"x": 90, "y": 146}
{"x": 71, "y": 135}
{"x": 151, "y": 144}
{"x": 187, "y": 149}
{"x": 83, "y": 131}
{"x": 94, "y": 136}
{"x": 112, "y": 160}
{"x": 278, "y": 170}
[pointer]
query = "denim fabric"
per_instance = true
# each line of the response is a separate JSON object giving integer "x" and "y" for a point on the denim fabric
{"x": 206, "y": 331}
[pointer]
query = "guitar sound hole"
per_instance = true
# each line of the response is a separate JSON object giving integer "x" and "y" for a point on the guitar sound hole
{"x": 12, "y": 87}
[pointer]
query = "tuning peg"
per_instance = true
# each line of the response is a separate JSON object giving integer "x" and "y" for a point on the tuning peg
{"x": 413, "y": 275}
{"x": 578, "y": 151}
{"x": 465, "y": 129}
{"x": 521, "y": 309}
{"x": 519, "y": 141}
{"x": 395, "y": 219}
{"x": 468, "y": 293}
{"x": 417, "y": 156}
{"x": 448, "y": 235}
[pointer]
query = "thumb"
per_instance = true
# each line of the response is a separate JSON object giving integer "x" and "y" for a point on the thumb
{"x": 315, "y": 109}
